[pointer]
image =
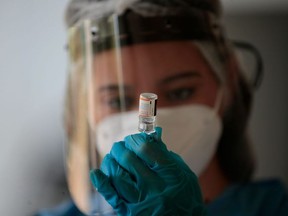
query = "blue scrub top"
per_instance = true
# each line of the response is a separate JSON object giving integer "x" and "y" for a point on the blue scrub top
{"x": 258, "y": 198}
{"x": 261, "y": 198}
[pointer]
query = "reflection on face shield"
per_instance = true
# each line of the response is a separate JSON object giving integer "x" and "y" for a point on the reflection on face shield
{"x": 111, "y": 67}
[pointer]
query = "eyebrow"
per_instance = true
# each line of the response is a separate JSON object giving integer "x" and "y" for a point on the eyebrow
{"x": 180, "y": 76}
{"x": 115, "y": 87}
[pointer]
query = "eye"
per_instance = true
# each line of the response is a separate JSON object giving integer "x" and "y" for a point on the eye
{"x": 180, "y": 94}
{"x": 116, "y": 103}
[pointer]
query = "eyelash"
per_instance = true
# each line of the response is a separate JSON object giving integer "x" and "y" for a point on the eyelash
{"x": 180, "y": 94}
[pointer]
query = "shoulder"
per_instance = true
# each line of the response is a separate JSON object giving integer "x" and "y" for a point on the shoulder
{"x": 262, "y": 188}
{"x": 268, "y": 197}
{"x": 267, "y": 184}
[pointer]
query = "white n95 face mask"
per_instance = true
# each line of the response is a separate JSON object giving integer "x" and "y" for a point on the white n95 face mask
{"x": 192, "y": 131}
{"x": 114, "y": 128}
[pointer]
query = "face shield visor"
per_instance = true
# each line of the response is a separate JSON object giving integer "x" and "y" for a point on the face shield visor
{"x": 112, "y": 60}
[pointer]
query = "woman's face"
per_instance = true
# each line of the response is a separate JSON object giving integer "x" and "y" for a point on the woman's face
{"x": 175, "y": 71}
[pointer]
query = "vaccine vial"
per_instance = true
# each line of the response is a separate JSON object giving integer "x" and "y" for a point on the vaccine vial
{"x": 147, "y": 112}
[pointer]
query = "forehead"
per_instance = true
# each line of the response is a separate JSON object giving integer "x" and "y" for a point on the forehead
{"x": 155, "y": 60}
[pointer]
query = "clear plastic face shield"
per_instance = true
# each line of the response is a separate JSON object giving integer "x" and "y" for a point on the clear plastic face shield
{"x": 112, "y": 61}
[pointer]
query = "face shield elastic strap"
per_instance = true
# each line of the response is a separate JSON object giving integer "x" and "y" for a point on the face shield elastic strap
{"x": 258, "y": 72}
{"x": 133, "y": 28}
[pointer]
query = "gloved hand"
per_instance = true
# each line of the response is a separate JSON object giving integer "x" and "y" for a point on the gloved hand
{"x": 141, "y": 177}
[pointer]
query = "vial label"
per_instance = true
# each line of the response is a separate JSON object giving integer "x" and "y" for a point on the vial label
{"x": 147, "y": 107}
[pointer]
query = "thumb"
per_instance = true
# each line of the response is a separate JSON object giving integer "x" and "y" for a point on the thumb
{"x": 158, "y": 134}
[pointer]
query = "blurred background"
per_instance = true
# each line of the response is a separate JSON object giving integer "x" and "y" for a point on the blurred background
{"x": 32, "y": 83}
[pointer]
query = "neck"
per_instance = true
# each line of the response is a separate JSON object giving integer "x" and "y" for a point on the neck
{"x": 212, "y": 181}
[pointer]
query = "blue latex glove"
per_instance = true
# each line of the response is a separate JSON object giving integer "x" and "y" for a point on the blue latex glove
{"x": 141, "y": 177}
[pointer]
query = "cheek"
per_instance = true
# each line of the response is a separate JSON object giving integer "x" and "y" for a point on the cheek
{"x": 207, "y": 93}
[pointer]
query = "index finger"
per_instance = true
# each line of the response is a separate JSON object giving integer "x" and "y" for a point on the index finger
{"x": 147, "y": 147}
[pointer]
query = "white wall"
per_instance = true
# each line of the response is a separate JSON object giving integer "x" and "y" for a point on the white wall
{"x": 32, "y": 80}
{"x": 252, "y": 6}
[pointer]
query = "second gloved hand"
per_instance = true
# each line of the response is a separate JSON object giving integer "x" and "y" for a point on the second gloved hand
{"x": 141, "y": 177}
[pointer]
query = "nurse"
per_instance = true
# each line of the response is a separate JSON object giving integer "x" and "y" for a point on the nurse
{"x": 198, "y": 161}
